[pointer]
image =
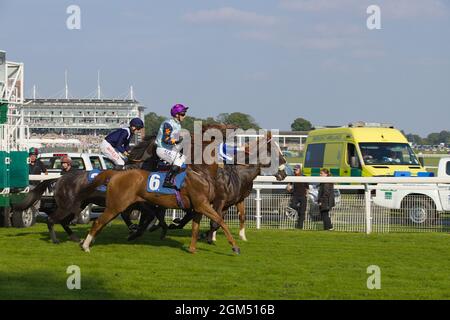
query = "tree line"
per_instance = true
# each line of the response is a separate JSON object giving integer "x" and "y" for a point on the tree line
{"x": 434, "y": 138}
{"x": 238, "y": 119}
{"x": 246, "y": 121}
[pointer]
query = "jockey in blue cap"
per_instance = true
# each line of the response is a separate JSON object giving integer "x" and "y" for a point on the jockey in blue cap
{"x": 117, "y": 144}
{"x": 167, "y": 140}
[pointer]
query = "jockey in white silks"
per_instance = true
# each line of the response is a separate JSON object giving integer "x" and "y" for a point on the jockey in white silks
{"x": 116, "y": 145}
{"x": 167, "y": 142}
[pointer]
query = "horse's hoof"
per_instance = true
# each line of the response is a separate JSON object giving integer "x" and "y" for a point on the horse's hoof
{"x": 56, "y": 241}
{"x": 236, "y": 250}
{"x": 133, "y": 228}
{"x": 192, "y": 250}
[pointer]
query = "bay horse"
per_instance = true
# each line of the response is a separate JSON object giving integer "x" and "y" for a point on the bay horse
{"x": 234, "y": 184}
{"x": 197, "y": 193}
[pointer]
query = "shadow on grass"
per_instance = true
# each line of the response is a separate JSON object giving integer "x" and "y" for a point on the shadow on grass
{"x": 53, "y": 285}
{"x": 118, "y": 233}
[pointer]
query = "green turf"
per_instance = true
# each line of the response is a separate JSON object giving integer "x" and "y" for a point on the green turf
{"x": 274, "y": 264}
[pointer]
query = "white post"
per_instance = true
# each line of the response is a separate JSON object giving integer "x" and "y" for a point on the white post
{"x": 368, "y": 207}
{"x": 258, "y": 208}
{"x": 173, "y": 214}
{"x": 66, "y": 85}
{"x": 99, "y": 92}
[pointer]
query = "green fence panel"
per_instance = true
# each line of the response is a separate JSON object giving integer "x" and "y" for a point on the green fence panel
{"x": 4, "y": 170}
{"x": 18, "y": 171}
{"x": 4, "y": 201}
{"x": 3, "y": 113}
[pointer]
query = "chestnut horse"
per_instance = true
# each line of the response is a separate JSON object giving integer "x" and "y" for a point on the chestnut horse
{"x": 198, "y": 192}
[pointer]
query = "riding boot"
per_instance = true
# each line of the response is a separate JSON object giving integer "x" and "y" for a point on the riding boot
{"x": 119, "y": 167}
{"x": 170, "y": 177}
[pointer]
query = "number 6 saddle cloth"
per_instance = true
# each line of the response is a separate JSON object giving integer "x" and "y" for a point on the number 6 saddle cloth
{"x": 156, "y": 179}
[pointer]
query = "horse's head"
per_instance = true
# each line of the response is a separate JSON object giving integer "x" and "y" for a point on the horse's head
{"x": 270, "y": 155}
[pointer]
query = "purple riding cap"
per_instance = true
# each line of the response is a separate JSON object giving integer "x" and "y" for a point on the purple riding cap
{"x": 178, "y": 108}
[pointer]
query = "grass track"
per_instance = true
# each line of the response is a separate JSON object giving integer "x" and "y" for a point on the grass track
{"x": 275, "y": 264}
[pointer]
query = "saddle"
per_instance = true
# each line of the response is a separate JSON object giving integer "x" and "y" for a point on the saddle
{"x": 164, "y": 166}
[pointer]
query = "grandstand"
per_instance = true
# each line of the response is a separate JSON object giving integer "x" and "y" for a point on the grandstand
{"x": 87, "y": 120}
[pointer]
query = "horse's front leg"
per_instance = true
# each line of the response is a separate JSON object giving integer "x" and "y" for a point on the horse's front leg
{"x": 209, "y": 211}
{"x": 241, "y": 211}
{"x": 213, "y": 226}
{"x": 161, "y": 215}
{"x": 147, "y": 216}
{"x": 179, "y": 224}
{"x": 65, "y": 224}
{"x": 126, "y": 218}
{"x": 51, "y": 231}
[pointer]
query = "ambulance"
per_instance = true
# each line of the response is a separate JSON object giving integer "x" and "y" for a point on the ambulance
{"x": 360, "y": 150}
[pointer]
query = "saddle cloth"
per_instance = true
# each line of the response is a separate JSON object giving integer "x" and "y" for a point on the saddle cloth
{"x": 91, "y": 176}
{"x": 156, "y": 179}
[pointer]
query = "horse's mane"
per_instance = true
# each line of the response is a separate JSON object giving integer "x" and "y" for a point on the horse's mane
{"x": 138, "y": 150}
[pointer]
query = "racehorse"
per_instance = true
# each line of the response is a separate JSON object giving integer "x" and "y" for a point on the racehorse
{"x": 234, "y": 183}
{"x": 69, "y": 200}
{"x": 197, "y": 193}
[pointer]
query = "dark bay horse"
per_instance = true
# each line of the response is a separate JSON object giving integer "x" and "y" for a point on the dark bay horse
{"x": 69, "y": 200}
{"x": 198, "y": 192}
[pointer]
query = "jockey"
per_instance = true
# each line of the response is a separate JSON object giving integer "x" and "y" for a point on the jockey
{"x": 227, "y": 152}
{"x": 117, "y": 144}
{"x": 167, "y": 142}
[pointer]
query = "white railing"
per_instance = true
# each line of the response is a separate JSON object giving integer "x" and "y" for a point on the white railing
{"x": 355, "y": 212}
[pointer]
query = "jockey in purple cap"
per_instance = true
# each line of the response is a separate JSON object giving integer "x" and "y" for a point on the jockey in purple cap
{"x": 167, "y": 140}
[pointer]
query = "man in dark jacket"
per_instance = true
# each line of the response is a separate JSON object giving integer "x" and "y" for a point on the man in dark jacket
{"x": 299, "y": 192}
{"x": 326, "y": 200}
{"x": 36, "y": 166}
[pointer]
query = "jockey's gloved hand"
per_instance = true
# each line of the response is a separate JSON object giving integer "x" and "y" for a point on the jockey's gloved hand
{"x": 179, "y": 140}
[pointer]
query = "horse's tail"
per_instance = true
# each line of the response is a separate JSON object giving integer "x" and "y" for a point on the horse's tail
{"x": 34, "y": 195}
{"x": 101, "y": 179}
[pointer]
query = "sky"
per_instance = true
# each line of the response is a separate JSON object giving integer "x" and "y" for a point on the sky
{"x": 275, "y": 59}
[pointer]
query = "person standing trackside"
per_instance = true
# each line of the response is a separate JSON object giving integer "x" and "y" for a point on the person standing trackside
{"x": 326, "y": 200}
{"x": 299, "y": 192}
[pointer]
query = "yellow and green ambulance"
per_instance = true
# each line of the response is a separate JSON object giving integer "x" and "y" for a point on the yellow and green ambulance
{"x": 360, "y": 149}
